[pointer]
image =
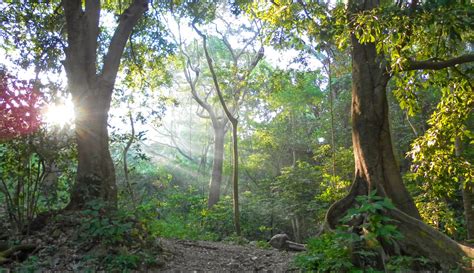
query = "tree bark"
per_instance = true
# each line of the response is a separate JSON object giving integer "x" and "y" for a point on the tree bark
{"x": 92, "y": 92}
{"x": 95, "y": 177}
{"x": 216, "y": 177}
{"x": 375, "y": 164}
{"x": 235, "y": 174}
{"x": 467, "y": 198}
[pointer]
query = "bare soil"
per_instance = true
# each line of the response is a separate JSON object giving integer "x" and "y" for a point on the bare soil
{"x": 203, "y": 256}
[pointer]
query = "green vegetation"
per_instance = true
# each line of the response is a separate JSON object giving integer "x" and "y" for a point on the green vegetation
{"x": 346, "y": 125}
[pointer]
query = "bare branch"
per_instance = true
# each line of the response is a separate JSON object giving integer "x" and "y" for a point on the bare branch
{"x": 229, "y": 115}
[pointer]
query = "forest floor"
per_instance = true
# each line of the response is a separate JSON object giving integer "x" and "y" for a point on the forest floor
{"x": 189, "y": 256}
{"x": 59, "y": 247}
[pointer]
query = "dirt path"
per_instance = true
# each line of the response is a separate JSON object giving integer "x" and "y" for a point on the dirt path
{"x": 199, "y": 256}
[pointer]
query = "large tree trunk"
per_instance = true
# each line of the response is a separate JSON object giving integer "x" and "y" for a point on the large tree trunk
{"x": 375, "y": 164}
{"x": 92, "y": 92}
{"x": 216, "y": 178}
{"x": 95, "y": 172}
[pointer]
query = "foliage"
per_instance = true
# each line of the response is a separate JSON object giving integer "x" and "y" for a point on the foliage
{"x": 376, "y": 225}
{"x": 126, "y": 237}
{"x": 437, "y": 207}
{"x": 263, "y": 244}
{"x": 328, "y": 253}
{"x": 36, "y": 160}
{"x": 438, "y": 153}
{"x": 20, "y": 106}
{"x": 294, "y": 132}
{"x": 181, "y": 215}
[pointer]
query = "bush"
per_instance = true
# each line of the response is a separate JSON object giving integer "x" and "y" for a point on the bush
{"x": 121, "y": 240}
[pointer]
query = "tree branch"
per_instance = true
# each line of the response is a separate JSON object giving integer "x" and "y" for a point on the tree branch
{"x": 229, "y": 115}
{"x": 74, "y": 54}
{"x": 128, "y": 20}
{"x": 436, "y": 64}
{"x": 92, "y": 15}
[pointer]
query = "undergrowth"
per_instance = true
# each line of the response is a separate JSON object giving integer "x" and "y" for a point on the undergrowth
{"x": 119, "y": 240}
{"x": 349, "y": 249}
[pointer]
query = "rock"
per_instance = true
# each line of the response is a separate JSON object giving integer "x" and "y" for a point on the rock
{"x": 282, "y": 242}
{"x": 279, "y": 241}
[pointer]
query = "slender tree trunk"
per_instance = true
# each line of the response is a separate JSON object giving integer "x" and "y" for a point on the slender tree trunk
{"x": 235, "y": 176}
{"x": 126, "y": 171}
{"x": 230, "y": 114}
{"x": 216, "y": 177}
{"x": 467, "y": 197}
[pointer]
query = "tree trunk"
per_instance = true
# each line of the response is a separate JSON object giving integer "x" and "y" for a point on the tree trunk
{"x": 126, "y": 171}
{"x": 95, "y": 178}
{"x": 92, "y": 92}
{"x": 467, "y": 196}
{"x": 235, "y": 176}
{"x": 375, "y": 165}
{"x": 216, "y": 178}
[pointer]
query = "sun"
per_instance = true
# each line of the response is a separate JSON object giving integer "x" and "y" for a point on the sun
{"x": 59, "y": 114}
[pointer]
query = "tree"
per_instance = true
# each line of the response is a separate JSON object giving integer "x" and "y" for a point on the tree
{"x": 92, "y": 93}
{"x": 20, "y": 106}
{"x": 237, "y": 90}
{"x": 376, "y": 56}
{"x": 219, "y": 124}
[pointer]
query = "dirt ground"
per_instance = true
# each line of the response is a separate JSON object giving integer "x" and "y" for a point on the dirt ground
{"x": 57, "y": 250}
{"x": 201, "y": 256}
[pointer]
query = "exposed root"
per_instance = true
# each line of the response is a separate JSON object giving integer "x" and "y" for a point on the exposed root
{"x": 420, "y": 239}
{"x": 6, "y": 254}
{"x": 337, "y": 210}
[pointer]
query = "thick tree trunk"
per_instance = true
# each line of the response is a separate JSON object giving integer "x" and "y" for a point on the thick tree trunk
{"x": 95, "y": 177}
{"x": 92, "y": 91}
{"x": 375, "y": 164}
{"x": 216, "y": 178}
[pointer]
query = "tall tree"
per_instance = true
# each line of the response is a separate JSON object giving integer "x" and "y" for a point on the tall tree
{"x": 237, "y": 90}
{"x": 219, "y": 124}
{"x": 376, "y": 57}
{"x": 91, "y": 84}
